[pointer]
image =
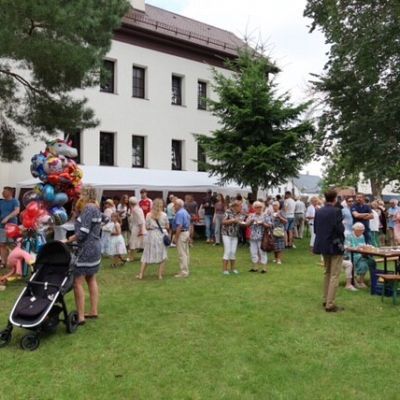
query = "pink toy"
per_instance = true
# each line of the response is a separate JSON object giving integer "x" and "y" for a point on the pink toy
{"x": 15, "y": 259}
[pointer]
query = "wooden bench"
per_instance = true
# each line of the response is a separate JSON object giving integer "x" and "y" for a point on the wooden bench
{"x": 381, "y": 260}
{"x": 393, "y": 281}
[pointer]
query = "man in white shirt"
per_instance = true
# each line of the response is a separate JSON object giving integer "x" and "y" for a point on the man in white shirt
{"x": 299, "y": 211}
{"x": 289, "y": 208}
{"x": 310, "y": 216}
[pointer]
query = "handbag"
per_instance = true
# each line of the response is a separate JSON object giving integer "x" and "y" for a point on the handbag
{"x": 166, "y": 238}
{"x": 267, "y": 243}
{"x": 278, "y": 232}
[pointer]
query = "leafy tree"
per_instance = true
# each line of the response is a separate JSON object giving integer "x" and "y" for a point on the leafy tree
{"x": 48, "y": 49}
{"x": 262, "y": 141}
{"x": 333, "y": 174}
{"x": 361, "y": 86}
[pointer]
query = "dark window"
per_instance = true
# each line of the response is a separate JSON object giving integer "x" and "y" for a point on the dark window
{"x": 75, "y": 139}
{"x": 177, "y": 155}
{"x": 107, "y": 76}
{"x": 138, "y": 151}
{"x": 201, "y": 158}
{"x": 176, "y": 90}
{"x": 106, "y": 148}
{"x": 138, "y": 82}
{"x": 201, "y": 95}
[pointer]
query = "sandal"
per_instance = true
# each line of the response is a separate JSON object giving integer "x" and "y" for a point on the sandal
{"x": 91, "y": 316}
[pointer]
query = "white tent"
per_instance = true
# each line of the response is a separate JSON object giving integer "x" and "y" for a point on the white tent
{"x": 115, "y": 178}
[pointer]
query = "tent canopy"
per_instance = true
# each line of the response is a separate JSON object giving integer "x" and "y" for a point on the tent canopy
{"x": 115, "y": 178}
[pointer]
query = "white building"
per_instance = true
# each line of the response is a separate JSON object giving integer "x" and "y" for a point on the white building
{"x": 160, "y": 67}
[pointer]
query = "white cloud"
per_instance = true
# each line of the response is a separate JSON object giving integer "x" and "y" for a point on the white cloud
{"x": 279, "y": 23}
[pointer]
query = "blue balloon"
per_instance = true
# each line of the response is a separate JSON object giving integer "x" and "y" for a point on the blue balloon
{"x": 60, "y": 199}
{"x": 48, "y": 193}
{"x": 37, "y": 166}
{"x": 59, "y": 214}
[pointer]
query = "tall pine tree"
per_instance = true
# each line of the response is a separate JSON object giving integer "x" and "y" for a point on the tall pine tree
{"x": 262, "y": 140}
{"x": 48, "y": 49}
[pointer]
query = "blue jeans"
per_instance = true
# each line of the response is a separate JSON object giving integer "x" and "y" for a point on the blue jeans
{"x": 208, "y": 220}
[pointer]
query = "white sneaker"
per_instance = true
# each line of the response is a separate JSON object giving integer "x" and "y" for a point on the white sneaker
{"x": 351, "y": 288}
{"x": 226, "y": 273}
{"x": 293, "y": 246}
{"x": 279, "y": 262}
{"x": 172, "y": 245}
{"x": 235, "y": 271}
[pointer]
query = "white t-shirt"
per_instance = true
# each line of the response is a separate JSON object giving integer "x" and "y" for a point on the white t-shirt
{"x": 374, "y": 223}
{"x": 310, "y": 214}
{"x": 289, "y": 207}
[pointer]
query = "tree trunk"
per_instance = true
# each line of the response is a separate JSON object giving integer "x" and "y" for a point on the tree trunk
{"x": 254, "y": 192}
{"x": 376, "y": 188}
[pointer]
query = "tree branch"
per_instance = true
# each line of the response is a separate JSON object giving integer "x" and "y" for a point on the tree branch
{"x": 25, "y": 83}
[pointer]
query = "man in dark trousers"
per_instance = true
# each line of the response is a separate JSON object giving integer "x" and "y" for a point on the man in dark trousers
{"x": 329, "y": 241}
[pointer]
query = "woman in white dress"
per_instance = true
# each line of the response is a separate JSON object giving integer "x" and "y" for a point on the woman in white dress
{"x": 109, "y": 209}
{"x": 136, "y": 227}
{"x": 155, "y": 252}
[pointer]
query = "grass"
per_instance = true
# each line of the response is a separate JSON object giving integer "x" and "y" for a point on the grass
{"x": 249, "y": 336}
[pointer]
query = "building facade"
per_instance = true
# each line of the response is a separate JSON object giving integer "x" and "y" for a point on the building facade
{"x": 151, "y": 102}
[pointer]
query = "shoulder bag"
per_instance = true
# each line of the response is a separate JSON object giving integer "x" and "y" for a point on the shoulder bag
{"x": 267, "y": 243}
{"x": 166, "y": 238}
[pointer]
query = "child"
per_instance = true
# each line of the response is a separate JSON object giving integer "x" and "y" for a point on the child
{"x": 15, "y": 261}
{"x": 117, "y": 247}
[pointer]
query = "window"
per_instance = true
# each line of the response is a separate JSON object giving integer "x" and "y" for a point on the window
{"x": 75, "y": 139}
{"x": 138, "y": 75}
{"x": 106, "y": 148}
{"x": 107, "y": 77}
{"x": 176, "y": 90}
{"x": 177, "y": 155}
{"x": 201, "y": 158}
{"x": 138, "y": 151}
{"x": 201, "y": 95}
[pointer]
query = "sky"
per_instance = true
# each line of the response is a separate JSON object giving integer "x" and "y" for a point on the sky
{"x": 279, "y": 24}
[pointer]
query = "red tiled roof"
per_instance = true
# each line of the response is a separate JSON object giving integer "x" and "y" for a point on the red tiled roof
{"x": 173, "y": 25}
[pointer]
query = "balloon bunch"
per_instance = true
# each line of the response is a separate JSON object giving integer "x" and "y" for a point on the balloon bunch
{"x": 61, "y": 181}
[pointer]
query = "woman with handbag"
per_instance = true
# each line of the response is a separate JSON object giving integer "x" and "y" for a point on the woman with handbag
{"x": 155, "y": 250}
{"x": 258, "y": 222}
{"x": 278, "y": 231}
{"x": 233, "y": 217}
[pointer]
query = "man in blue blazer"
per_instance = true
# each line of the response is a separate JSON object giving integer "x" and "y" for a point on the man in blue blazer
{"x": 329, "y": 241}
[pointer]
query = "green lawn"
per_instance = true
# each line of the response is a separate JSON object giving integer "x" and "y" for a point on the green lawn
{"x": 250, "y": 336}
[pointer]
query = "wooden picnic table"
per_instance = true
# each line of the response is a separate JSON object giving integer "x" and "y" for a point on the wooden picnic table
{"x": 386, "y": 253}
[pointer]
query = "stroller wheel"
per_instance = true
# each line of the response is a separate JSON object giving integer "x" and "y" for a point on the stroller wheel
{"x": 5, "y": 338}
{"x": 72, "y": 322}
{"x": 30, "y": 342}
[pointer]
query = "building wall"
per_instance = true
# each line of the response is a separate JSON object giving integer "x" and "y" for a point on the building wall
{"x": 153, "y": 117}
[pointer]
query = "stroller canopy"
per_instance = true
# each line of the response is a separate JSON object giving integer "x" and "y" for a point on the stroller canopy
{"x": 55, "y": 253}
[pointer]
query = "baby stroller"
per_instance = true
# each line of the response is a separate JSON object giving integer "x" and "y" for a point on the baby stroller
{"x": 41, "y": 302}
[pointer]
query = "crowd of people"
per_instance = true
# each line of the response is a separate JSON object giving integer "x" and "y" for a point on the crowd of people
{"x": 123, "y": 228}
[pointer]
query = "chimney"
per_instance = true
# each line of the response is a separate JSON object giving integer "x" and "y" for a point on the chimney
{"x": 138, "y": 5}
